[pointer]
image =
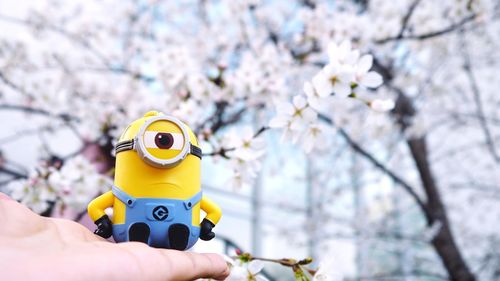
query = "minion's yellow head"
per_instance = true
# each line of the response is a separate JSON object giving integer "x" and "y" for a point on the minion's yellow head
{"x": 157, "y": 148}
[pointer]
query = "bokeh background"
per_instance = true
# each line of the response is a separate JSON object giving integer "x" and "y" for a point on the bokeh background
{"x": 392, "y": 180}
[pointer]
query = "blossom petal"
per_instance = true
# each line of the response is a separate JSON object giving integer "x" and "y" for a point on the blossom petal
{"x": 309, "y": 89}
{"x": 238, "y": 273}
{"x": 279, "y": 122}
{"x": 309, "y": 115}
{"x": 299, "y": 101}
{"x": 371, "y": 80}
{"x": 315, "y": 103}
{"x": 255, "y": 266}
{"x": 382, "y": 105}
{"x": 365, "y": 63}
{"x": 346, "y": 75}
{"x": 285, "y": 108}
{"x": 261, "y": 278}
{"x": 344, "y": 48}
{"x": 342, "y": 89}
{"x": 352, "y": 57}
{"x": 333, "y": 52}
{"x": 322, "y": 85}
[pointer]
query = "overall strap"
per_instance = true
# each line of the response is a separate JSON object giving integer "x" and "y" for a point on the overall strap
{"x": 122, "y": 196}
{"x": 189, "y": 203}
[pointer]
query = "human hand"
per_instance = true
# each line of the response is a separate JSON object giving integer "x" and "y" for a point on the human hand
{"x": 38, "y": 248}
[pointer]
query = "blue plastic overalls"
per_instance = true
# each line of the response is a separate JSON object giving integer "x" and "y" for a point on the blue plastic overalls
{"x": 159, "y": 214}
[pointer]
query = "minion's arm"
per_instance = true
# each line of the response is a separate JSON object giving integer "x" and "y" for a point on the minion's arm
{"x": 213, "y": 210}
{"x": 97, "y": 206}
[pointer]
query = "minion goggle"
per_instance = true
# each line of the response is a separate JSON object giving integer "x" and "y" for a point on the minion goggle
{"x": 150, "y": 143}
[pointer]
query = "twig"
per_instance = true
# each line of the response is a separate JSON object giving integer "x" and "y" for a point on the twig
{"x": 406, "y": 18}
{"x": 13, "y": 86}
{"x": 296, "y": 265}
{"x": 477, "y": 100}
{"x": 75, "y": 38}
{"x": 223, "y": 151}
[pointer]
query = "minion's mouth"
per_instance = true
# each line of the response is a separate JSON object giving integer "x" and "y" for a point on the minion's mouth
{"x": 165, "y": 185}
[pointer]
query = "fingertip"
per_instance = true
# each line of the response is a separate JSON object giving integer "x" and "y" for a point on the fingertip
{"x": 220, "y": 267}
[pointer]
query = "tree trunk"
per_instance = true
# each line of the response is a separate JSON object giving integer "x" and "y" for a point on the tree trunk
{"x": 443, "y": 242}
{"x": 434, "y": 209}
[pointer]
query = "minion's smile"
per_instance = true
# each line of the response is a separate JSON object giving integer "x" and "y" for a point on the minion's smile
{"x": 165, "y": 185}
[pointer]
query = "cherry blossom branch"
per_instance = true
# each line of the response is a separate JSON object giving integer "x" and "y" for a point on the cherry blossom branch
{"x": 217, "y": 119}
{"x": 407, "y": 17}
{"x": 429, "y": 35}
{"x": 32, "y": 110}
{"x": 357, "y": 147}
{"x": 298, "y": 266}
{"x": 75, "y": 38}
{"x": 223, "y": 151}
{"x": 14, "y": 174}
{"x": 26, "y": 132}
{"x": 354, "y": 145}
{"x": 119, "y": 70}
{"x": 309, "y": 3}
{"x": 13, "y": 86}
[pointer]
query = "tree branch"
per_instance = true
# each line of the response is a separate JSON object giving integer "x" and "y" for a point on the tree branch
{"x": 429, "y": 35}
{"x": 13, "y": 173}
{"x": 64, "y": 116}
{"x": 13, "y": 86}
{"x": 356, "y": 147}
{"x": 406, "y": 18}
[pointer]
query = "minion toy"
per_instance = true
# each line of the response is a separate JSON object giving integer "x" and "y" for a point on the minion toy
{"x": 156, "y": 195}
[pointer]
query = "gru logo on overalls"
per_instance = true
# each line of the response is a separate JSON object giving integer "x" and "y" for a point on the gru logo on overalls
{"x": 160, "y": 213}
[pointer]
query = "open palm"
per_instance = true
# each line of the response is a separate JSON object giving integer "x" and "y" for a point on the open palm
{"x": 37, "y": 248}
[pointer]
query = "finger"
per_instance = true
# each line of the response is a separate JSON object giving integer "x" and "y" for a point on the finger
{"x": 190, "y": 266}
{"x": 176, "y": 265}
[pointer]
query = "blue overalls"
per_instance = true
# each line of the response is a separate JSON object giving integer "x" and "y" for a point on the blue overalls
{"x": 159, "y": 214}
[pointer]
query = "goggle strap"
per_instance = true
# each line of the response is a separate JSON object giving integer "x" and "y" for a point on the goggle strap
{"x": 196, "y": 151}
{"x": 124, "y": 145}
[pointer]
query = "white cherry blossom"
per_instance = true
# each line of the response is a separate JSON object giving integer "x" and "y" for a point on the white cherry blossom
{"x": 334, "y": 78}
{"x": 382, "y": 105}
{"x": 364, "y": 77}
{"x": 293, "y": 117}
{"x": 247, "y": 271}
{"x": 342, "y": 54}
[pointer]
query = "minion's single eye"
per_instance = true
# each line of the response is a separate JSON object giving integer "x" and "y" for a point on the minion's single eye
{"x": 163, "y": 140}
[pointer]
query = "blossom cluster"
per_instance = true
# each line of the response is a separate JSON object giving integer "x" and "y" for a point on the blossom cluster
{"x": 69, "y": 187}
{"x": 245, "y": 151}
{"x": 245, "y": 267}
{"x": 346, "y": 75}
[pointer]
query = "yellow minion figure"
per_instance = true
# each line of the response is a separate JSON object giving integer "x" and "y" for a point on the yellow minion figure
{"x": 156, "y": 195}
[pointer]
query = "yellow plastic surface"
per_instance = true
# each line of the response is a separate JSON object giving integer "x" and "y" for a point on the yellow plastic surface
{"x": 141, "y": 180}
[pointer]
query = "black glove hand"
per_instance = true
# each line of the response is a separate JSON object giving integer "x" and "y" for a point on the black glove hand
{"x": 206, "y": 230}
{"x": 104, "y": 227}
